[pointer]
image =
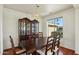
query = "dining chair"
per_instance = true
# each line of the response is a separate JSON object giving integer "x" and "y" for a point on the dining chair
{"x": 19, "y": 50}
{"x": 47, "y": 49}
{"x": 56, "y": 45}
{"x": 41, "y": 35}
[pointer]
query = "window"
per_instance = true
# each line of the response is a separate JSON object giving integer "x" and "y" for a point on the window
{"x": 55, "y": 24}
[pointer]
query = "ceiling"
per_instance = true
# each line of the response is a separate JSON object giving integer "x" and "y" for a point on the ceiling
{"x": 41, "y": 9}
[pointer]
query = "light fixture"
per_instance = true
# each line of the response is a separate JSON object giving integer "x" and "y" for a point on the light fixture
{"x": 37, "y": 6}
{"x": 36, "y": 12}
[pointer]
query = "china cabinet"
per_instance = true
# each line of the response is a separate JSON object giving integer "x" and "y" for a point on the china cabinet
{"x": 28, "y": 32}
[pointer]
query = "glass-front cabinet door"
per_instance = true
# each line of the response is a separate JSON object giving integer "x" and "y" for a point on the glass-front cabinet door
{"x": 35, "y": 27}
{"x": 24, "y": 31}
{"x": 22, "y": 27}
{"x": 28, "y": 27}
{"x": 35, "y": 31}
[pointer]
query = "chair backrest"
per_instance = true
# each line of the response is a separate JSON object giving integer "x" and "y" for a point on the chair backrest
{"x": 11, "y": 40}
{"x": 52, "y": 43}
{"x": 49, "y": 45}
{"x": 40, "y": 34}
{"x": 56, "y": 36}
{"x": 12, "y": 45}
{"x": 57, "y": 42}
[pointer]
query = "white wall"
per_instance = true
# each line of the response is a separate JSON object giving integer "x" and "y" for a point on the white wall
{"x": 1, "y": 28}
{"x": 68, "y": 40}
{"x": 77, "y": 30}
{"x": 10, "y": 26}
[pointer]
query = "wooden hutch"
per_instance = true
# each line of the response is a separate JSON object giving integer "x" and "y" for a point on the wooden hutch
{"x": 28, "y": 32}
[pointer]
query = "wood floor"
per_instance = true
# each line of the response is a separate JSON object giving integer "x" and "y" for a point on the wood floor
{"x": 64, "y": 51}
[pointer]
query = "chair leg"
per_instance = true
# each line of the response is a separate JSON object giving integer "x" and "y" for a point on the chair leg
{"x": 26, "y": 53}
{"x": 34, "y": 53}
{"x": 58, "y": 52}
{"x": 53, "y": 53}
{"x": 45, "y": 53}
{"x": 51, "y": 50}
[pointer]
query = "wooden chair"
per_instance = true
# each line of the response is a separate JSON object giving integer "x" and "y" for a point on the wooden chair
{"x": 20, "y": 50}
{"x": 40, "y": 39}
{"x": 41, "y": 35}
{"x": 56, "y": 45}
{"x": 48, "y": 48}
{"x": 56, "y": 36}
